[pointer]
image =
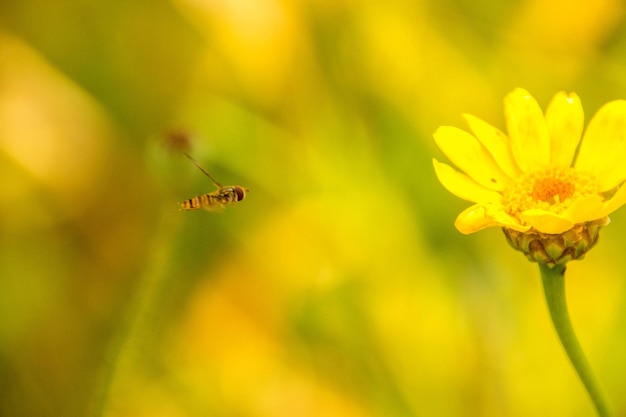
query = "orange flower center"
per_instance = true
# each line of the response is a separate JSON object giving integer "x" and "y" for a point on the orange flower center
{"x": 551, "y": 189}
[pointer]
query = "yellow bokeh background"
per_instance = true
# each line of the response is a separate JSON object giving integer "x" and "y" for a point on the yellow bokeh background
{"x": 339, "y": 286}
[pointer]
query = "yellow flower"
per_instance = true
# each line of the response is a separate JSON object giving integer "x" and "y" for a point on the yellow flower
{"x": 541, "y": 178}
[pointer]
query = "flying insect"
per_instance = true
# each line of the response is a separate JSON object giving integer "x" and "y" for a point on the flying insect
{"x": 216, "y": 200}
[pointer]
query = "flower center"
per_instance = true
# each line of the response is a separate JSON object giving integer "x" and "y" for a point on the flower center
{"x": 552, "y": 189}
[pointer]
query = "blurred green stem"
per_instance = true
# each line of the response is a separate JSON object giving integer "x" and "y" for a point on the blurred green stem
{"x": 133, "y": 347}
{"x": 554, "y": 289}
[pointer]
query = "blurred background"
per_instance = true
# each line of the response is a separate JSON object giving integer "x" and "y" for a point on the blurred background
{"x": 339, "y": 286}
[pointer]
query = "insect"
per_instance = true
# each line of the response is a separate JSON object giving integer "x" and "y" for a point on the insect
{"x": 216, "y": 200}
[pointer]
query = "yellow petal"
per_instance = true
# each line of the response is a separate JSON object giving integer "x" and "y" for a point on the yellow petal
{"x": 481, "y": 216}
{"x": 496, "y": 143}
{"x": 618, "y": 200}
{"x": 603, "y": 149}
{"x": 466, "y": 152}
{"x": 584, "y": 209}
{"x": 546, "y": 221}
{"x": 530, "y": 142}
{"x": 463, "y": 186}
{"x": 565, "y": 120}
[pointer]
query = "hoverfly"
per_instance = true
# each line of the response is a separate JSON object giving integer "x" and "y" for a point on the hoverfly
{"x": 216, "y": 200}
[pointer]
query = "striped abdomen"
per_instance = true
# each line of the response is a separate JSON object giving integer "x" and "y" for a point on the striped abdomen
{"x": 215, "y": 200}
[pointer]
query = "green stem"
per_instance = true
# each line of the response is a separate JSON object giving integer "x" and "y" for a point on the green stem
{"x": 137, "y": 334}
{"x": 554, "y": 289}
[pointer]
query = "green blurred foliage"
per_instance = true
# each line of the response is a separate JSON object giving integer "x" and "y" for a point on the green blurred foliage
{"x": 339, "y": 286}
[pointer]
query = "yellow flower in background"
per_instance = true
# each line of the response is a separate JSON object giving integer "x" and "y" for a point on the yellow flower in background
{"x": 541, "y": 178}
